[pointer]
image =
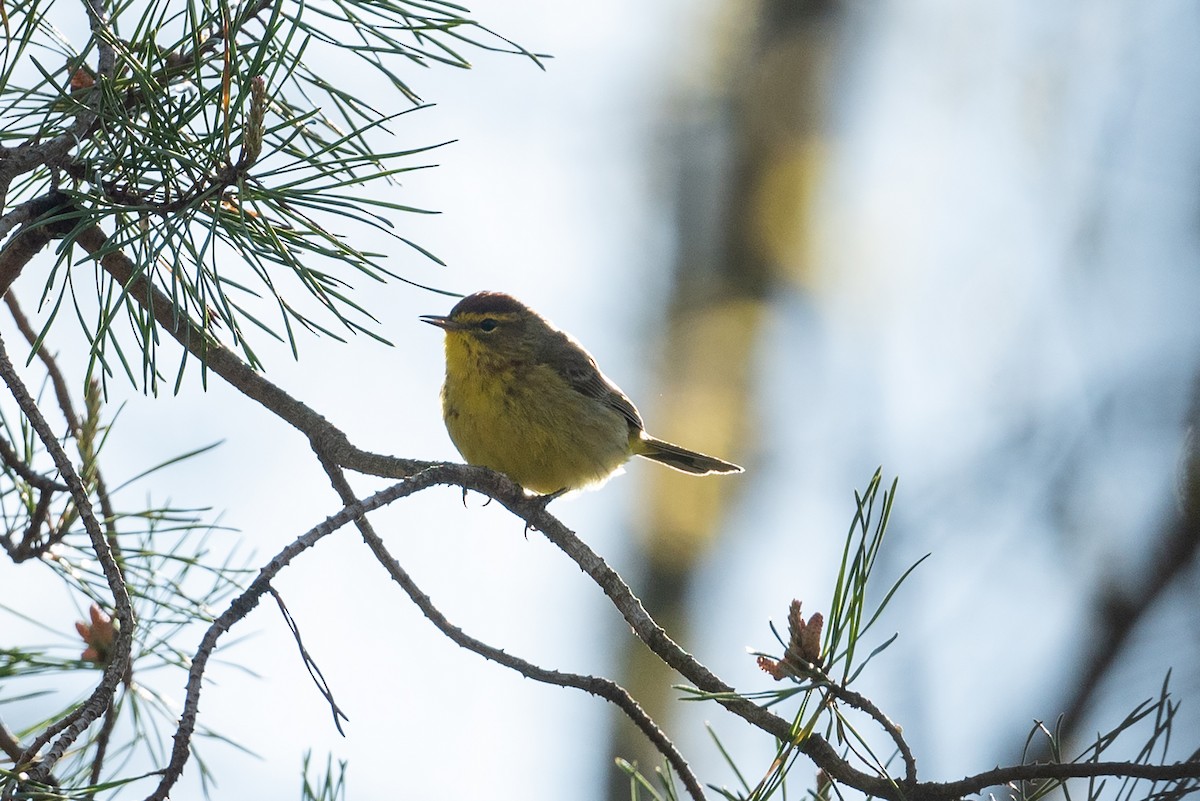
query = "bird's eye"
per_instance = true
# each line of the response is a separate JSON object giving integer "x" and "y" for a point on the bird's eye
{"x": 488, "y": 325}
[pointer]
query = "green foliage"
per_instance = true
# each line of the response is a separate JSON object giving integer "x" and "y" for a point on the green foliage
{"x": 809, "y": 669}
{"x": 818, "y": 682}
{"x": 641, "y": 787}
{"x": 329, "y": 785}
{"x": 819, "y": 675}
{"x": 1149, "y": 724}
{"x": 177, "y": 568}
{"x": 219, "y": 155}
{"x": 848, "y": 619}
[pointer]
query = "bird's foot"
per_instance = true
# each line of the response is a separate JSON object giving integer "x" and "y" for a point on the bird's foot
{"x": 539, "y": 503}
{"x": 485, "y": 503}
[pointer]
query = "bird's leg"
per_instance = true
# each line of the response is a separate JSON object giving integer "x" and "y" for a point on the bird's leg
{"x": 540, "y": 502}
{"x": 465, "y": 490}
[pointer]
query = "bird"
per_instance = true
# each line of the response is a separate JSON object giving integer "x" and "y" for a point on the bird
{"x": 526, "y": 399}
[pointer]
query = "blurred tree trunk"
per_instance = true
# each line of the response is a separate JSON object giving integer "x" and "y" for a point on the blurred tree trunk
{"x": 749, "y": 148}
{"x": 1125, "y": 601}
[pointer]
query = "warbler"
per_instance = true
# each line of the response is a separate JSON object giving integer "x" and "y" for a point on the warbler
{"x": 525, "y": 398}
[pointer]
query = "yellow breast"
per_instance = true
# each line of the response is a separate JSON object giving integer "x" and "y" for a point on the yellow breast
{"x": 527, "y": 422}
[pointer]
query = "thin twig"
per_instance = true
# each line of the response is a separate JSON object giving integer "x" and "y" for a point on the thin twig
{"x": 102, "y": 741}
{"x": 13, "y": 749}
{"x": 333, "y": 445}
{"x": 25, "y": 211}
{"x": 29, "y": 240}
{"x": 106, "y": 59}
{"x": 61, "y": 392}
{"x": 596, "y": 685}
{"x": 63, "y": 395}
{"x": 326, "y": 438}
{"x": 946, "y": 791}
{"x": 241, "y": 606}
{"x": 861, "y": 702}
{"x": 68, "y": 728}
{"x": 310, "y": 664}
{"x": 27, "y": 473}
{"x": 41, "y": 513}
{"x": 9, "y": 745}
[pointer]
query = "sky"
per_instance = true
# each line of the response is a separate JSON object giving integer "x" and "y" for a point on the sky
{"x": 1005, "y": 319}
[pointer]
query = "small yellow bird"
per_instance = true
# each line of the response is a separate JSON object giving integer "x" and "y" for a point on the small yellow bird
{"x": 526, "y": 399}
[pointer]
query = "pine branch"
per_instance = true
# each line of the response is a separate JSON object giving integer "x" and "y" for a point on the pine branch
{"x": 68, "y": 728}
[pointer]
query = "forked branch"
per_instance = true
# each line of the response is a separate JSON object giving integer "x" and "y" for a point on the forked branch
{"x": 596, "y": 685}
{"x": 334, "y": 448}
{"x": 68, "y": 728}
{"x": 335, "y": 451}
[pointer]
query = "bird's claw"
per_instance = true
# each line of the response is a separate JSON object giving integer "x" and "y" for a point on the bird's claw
{"x": 485, "y": 503}
{"x": 539, "y": 504}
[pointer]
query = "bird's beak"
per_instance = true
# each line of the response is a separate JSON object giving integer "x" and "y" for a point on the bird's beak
{"x": 440, "y": 322}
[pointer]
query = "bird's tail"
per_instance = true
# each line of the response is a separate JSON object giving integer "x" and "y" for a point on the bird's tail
{"x": 681, "y": 458}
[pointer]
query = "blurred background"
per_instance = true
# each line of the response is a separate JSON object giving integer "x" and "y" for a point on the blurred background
{"x": 958, "y": 240}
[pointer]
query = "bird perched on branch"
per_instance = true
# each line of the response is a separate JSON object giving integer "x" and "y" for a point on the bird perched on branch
{"x": 525, "y": 398}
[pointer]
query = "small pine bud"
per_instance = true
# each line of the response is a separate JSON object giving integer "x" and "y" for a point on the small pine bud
{"x": 99, "y": 635}
{"x": 81, "y": 79}
{"x": 795, "y": 618}
{"x": 810, "y": 639}
{"x": 253, "y": 140}
{"x": 824, "y": 785}
{"x": 772, "y": 668}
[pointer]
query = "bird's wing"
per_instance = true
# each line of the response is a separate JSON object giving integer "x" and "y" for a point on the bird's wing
{"x": 581, "y": 372}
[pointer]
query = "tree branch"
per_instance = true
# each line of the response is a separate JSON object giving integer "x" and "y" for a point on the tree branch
{"x": 10, "y": 746}
{"x": 63, "y": 395}
{"x": 27, "y": 242}
{"x": 245, "y": 603}
{"x": 598, "y": 686}
{"x": 106, "y": 59}
{"x": 27, "y": 473}
{"x": 68, "y": 728}
{"x": 532, "y": 511}
{"x": 1119, "y": 611}
{"x": 324, "y": 436}
{"x": 333, "y": 447}
{"x": 310, "y": 664}
{"x": 946, "y": 791}
{"x": 861, "y": 702}
{"x": 29, "y": 210}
